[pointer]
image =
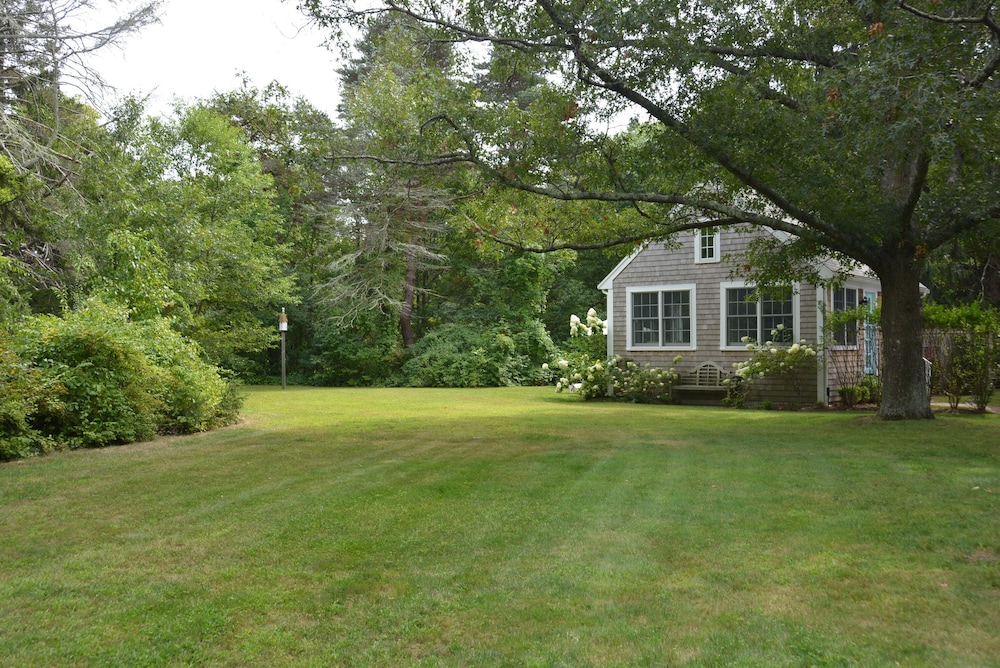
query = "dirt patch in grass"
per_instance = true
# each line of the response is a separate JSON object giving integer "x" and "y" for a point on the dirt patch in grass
{"x": 983, "y": 556}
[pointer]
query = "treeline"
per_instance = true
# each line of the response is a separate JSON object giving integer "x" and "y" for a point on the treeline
{"x": 145, "y": 259}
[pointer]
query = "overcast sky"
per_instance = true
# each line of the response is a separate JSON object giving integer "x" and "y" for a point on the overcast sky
{"x": 201, "y": 45}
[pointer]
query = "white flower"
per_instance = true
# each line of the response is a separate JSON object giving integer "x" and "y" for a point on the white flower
{"x": 774, "y": 351}
{"x": 749, "y": 346}
{"x": 780, "y": 326}
{"x": 563, "y": 364}
{"x": 794, "y": 348}
{"x": 545, "y": 367}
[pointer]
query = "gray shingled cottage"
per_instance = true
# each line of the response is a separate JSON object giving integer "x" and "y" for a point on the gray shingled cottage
{"x": 686, "y": 299}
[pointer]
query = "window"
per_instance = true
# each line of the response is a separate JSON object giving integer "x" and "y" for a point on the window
{"x": 756, "y": 320}
{"x": 661, "y": 317}
{"x": 845, "y": 333}
{"x": 706, "y": 245}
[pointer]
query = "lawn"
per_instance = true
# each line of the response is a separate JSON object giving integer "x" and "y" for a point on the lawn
{"x": 509, "y": 527}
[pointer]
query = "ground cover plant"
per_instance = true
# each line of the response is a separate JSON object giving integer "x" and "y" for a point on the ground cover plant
{"x": 509, "y": 526}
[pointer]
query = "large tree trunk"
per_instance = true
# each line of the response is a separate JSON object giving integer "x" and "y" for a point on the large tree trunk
{"x": 905, "y": 394}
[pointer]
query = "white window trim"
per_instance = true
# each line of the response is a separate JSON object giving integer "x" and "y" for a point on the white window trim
{"x": 840, "y": 346}
{"x": 697, "y": 248}
{"x": 727, "y": 285}
{"x": 689, "y": 287}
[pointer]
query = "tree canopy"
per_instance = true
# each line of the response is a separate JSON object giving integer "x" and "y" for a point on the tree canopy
{"x": 865, "y": 129}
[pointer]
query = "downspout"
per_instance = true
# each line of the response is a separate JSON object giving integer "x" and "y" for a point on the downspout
{"x": 823, "y": 372}
{"x": 609, "y": 297}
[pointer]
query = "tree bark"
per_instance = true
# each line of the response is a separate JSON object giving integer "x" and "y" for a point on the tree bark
{"x": 905, "y": 394}
{"x": 409, "y": 297}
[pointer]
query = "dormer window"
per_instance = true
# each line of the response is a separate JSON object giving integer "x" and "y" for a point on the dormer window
{"x": 706, "y": 246}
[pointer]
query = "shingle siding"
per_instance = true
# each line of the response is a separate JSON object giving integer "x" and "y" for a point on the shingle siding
{"x": 660, "y": 265}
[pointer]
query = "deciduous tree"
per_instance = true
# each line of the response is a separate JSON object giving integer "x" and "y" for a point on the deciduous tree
{"x": 867, "y": 129}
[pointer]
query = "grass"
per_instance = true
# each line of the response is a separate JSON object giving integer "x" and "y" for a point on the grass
{"x": 509, "y": 527}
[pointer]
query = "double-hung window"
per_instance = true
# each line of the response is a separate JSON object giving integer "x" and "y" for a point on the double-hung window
{"x": 661, "y": 317}
{"x": 845, "y": 333}
{"x": 758, "y": 317}
{"x": 706, "y": 246}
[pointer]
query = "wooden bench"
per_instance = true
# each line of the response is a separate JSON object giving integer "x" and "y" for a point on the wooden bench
{"x": 707, "y": 377}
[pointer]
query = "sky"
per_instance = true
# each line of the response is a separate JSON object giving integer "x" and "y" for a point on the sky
{"x": 200, "y": 46}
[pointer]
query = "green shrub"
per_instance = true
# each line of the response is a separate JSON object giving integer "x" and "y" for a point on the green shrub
{"x": 368, "y": 352}
{"x": 873, "y": 384}
{"x": 461, "y": 355}
{"x": 111, "y": 387}
{"x": 964, "y": 346}
{"x": 118, "y": 381}
{"x": 852, "y": 395}
{"x": 24, "y": 392}
{"x": 585, "y": 369}
{"x": 194, "y": 395}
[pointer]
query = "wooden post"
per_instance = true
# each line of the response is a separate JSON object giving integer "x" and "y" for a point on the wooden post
{"x": 283, "y": 328}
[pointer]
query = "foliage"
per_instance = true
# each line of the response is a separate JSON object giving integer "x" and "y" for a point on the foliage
{"x": 95, "y": 378}
{"x": 574, "y": 289}
{"x": 25, "y": 392}
{"x": 586, "y": 370}
{"x": 460, "y": 355}
{"x": 46, "y": 125}
{"x": 863, "y": 130}
{"x": 852, "y": 395}
{"x": 848, "y": 362}
{"x": 873, "y": 386}
{"x": 769, "y": 360}
{"x": 964, "y": 346}
{"x": 395, "y": 214}
{"x": 614, "y": 378}
{"x": 181, "y": 221}
{"x": 367, "y": 353}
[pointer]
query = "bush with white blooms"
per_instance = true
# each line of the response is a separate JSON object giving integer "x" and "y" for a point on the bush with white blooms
{"x": 586, "y": 370}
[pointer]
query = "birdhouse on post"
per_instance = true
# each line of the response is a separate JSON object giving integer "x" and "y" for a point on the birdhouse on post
{"x": 283, "y": 328}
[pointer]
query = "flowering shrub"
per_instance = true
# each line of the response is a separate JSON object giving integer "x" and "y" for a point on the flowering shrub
{"x": 588, "y": 337}
{"x": 588, "y": 372}
{"x": 768, "y": 360}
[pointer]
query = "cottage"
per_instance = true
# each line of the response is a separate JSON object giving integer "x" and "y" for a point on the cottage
{"x": 688, "y": 299}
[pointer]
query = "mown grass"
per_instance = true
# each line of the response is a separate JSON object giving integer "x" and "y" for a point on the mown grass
{"x": 509, "y": 527}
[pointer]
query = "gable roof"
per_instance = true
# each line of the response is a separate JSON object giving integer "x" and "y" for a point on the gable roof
{"x": 827, "y": 267}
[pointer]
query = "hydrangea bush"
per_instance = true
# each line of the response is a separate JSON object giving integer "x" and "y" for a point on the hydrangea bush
{"x": 768, "y": 360}
{"x": 586, "y": 370}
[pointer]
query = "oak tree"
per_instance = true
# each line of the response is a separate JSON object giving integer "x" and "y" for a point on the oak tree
{"x": 867, "y": 129}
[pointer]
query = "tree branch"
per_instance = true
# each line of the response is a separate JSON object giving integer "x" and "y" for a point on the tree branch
{"x": 593, "y": 74}
{"x": 993, "y": 65}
